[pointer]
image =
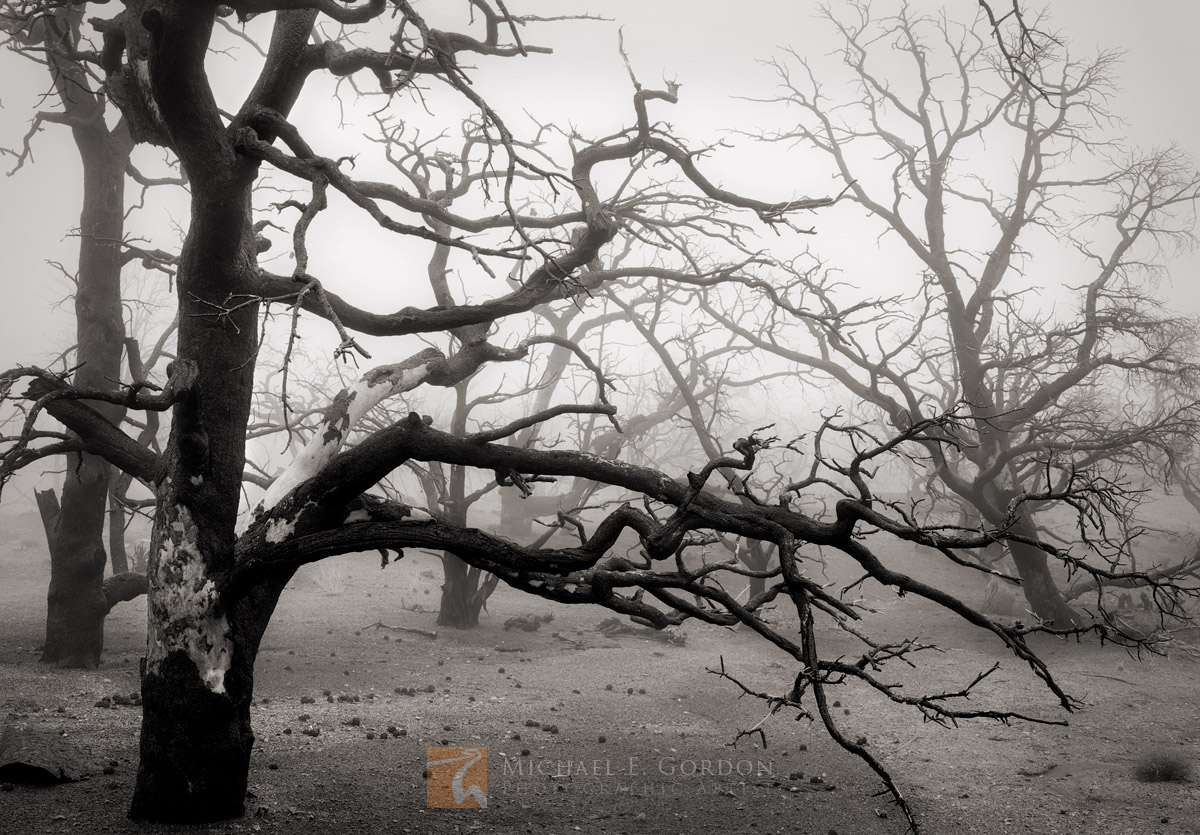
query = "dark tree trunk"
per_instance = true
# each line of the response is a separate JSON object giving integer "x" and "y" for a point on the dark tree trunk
{"x": 194, "y": 757}
{"x": 195, "y": 746}
{"x": 757, "y": 556}
{"x": 1037, "y": 583}
{"x": 516, "y": 514}
{"x": 758, "y": 585}
{"x": 116, "y": 536}
{"x": 75, "y": 604}
{"x": 465, "y": 589}
{"x": 463, "y": 594}
{"x": 197, "y": 681}
{"x": 1045, "y": 599}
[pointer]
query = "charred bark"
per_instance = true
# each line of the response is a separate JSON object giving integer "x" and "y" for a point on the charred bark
{"x": 116, "y": 536}
{"x": 196, "y": 741}
{"x": 119, "y": 588}
{"x": 76, "y": 604}
{"x": 197, "y": 681}
{"x": 463, "y": 595}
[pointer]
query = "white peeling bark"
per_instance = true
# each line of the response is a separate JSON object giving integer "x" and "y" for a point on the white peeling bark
{"x": 184, "y": 610}
{"x": 343, "y": 414}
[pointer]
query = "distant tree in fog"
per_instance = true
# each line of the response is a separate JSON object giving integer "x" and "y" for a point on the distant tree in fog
{"x": 1029, "y": 381}
{"x": 79, "y": 597}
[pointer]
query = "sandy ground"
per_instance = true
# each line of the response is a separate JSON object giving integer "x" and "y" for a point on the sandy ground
{"x": 658, "y": 759}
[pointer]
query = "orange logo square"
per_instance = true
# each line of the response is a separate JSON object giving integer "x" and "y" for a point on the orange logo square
{"x": 456, "y": 778}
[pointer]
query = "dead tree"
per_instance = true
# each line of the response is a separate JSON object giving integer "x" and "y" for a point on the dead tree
{"x": 1046, "y": 395}
{"x": 79, "y": 598}
{"x": 213, "y": 583}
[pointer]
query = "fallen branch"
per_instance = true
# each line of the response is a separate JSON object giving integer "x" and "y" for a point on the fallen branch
{"x": 381, "y": 625}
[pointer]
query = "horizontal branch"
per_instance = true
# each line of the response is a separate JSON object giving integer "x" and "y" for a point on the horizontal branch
{"x": 541, "y": 417}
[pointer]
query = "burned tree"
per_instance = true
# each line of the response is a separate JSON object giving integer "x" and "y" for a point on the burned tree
{"x": 213, "y": 583}
{"x": 79, "y": 597}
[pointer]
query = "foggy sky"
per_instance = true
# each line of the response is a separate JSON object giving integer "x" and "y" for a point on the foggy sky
{"x": 711, "y": 50}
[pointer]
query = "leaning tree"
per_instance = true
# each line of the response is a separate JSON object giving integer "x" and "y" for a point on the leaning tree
{"x": 970, "y": 167}
{"x": 213, "y": 583}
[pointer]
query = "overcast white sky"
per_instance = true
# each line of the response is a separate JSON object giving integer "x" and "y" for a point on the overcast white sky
{"x": 712, "y": 49}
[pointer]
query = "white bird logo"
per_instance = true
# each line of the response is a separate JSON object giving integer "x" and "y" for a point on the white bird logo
{"x": 470, "y": 756}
